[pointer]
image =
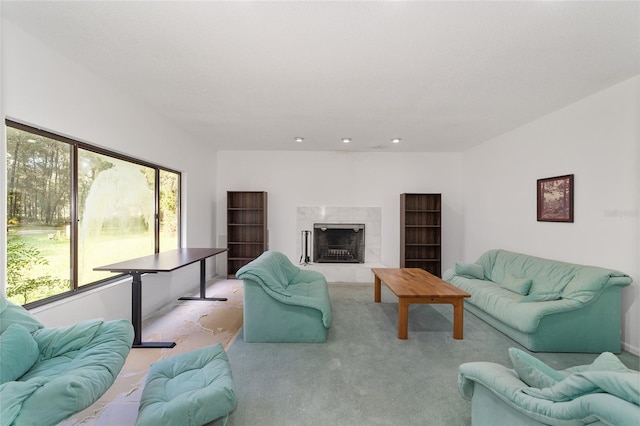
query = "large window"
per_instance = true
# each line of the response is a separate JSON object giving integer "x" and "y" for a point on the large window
{"x": 72, "y": 207}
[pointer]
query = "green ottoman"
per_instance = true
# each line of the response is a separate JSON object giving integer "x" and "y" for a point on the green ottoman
{"x": 193, "y": 388}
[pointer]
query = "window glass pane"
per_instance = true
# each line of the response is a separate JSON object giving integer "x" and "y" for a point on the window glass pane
{"x": 38, "y": 216}
{"x": 169, "y": 210}
{"x": 116, "y": 210}
{"x": 116, "y": 199}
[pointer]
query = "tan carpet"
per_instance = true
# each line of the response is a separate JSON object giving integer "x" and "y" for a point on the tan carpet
{"x": 191, "y": 324}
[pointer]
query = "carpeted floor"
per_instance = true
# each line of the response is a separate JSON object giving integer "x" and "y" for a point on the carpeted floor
{"x": 191, "y": 324}
{"x": 364, "y": 375}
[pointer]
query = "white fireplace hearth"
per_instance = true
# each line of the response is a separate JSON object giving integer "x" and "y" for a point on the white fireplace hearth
{"x": 343, "y": 272}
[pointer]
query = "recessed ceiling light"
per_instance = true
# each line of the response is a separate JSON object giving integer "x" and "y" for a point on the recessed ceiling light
{"x": 299, "y": 139}
{"x": 395, "y": 140}
{"x": 346, "y": 140}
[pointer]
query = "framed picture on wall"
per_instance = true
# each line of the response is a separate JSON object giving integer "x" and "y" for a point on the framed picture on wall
{"x": 555, "y": 199}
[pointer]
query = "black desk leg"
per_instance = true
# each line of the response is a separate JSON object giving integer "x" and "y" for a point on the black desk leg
{"x": 136, "y": 316}
{"x": 203, "y": 287}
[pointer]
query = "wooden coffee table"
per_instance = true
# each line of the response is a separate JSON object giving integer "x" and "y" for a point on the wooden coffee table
{"x": 415, "y": 285}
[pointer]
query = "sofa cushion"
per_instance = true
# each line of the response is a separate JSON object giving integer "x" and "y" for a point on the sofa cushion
{"x": 516, "y": 285}
{"x": 18, "y": 353}
{"x": 532, "y": 371}
{"x": 505, "y": 306}
{"x": 472, "y": 270}
{"x": 541, "y": 297}
{"x": 573, "y": 281}
{"x": 546, "y": 275}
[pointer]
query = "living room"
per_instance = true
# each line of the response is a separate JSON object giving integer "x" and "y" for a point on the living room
{"x": 488, "y": 188}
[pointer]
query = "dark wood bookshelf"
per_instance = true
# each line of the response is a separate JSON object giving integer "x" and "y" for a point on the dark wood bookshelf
{"x": 421, "y": 232}
{"x": 247, "y": 234}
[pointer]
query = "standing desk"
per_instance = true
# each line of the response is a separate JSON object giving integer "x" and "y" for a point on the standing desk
{"x": 160, "y": 262}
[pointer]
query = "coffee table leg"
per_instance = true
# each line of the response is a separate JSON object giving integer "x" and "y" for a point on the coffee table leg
{"x": 458, "y": 319}
{"x": 403, "y": 319}
{"x": 378, "y": 290}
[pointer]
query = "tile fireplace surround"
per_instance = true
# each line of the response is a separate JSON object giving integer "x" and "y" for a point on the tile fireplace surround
{"x": 343, "y": 272}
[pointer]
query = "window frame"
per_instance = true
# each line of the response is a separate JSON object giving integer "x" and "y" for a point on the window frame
{"x": 74, "y": 217}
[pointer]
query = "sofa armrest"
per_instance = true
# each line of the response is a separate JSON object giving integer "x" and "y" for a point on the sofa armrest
{"x": 307, "y": 276}
{"x": 498, "y": 378}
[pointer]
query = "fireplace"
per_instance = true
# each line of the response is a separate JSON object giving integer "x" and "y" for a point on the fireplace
{"x": 338, "y": 243}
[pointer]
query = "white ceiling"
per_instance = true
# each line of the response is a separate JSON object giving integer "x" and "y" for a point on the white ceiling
{"x": 443, "y": 76}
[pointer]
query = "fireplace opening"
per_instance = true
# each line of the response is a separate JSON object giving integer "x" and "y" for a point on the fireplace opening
{"x": 338, "y": 243}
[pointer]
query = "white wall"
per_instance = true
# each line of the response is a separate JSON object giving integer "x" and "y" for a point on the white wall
{"x": 44, "y": 89}
{"x": 343, "y": 179}
{"x": 596, "y": 139}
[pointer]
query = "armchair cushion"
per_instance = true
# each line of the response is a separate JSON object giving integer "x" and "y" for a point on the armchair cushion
{"x": 13, "y": 396}
{"x": 54, "y": 342}
{"x": 623, "y": 385}
{"x": 11, "y": 313}
{"x": 75, "y": 376}
{"x": 607, "y": 361}
{"x": 18, "y": 353}
{"x": 532, "y": 371}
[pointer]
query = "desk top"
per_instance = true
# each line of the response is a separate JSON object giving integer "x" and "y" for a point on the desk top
{"x": 162, "y": 262}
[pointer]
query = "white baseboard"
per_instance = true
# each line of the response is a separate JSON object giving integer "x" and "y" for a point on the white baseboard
{"x": 629, "y": 348}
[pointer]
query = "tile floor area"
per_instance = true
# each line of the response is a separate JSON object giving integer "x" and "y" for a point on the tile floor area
{"x": 191, "y": 324}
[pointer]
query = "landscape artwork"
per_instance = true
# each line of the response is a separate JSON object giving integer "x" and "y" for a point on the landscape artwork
{"x": 555, "y": 199}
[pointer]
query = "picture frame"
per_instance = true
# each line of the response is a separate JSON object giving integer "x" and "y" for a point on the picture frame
{"x": 555, "y": 199}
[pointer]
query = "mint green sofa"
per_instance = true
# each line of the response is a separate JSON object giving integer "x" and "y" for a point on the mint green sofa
{"x": 532, "y": 393}
{"x": 545, "y": 305}
{"x": 48, "y": 374}
{"x": 283, "y": 303}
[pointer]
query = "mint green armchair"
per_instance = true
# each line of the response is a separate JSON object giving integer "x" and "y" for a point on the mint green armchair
{"x": 532, "y": 393}
{"x": 284, "y": 303}
{"x": 48, "y": 374}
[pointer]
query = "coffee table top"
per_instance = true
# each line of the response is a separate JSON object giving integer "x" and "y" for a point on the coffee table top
{"x": 416, "y": 282}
